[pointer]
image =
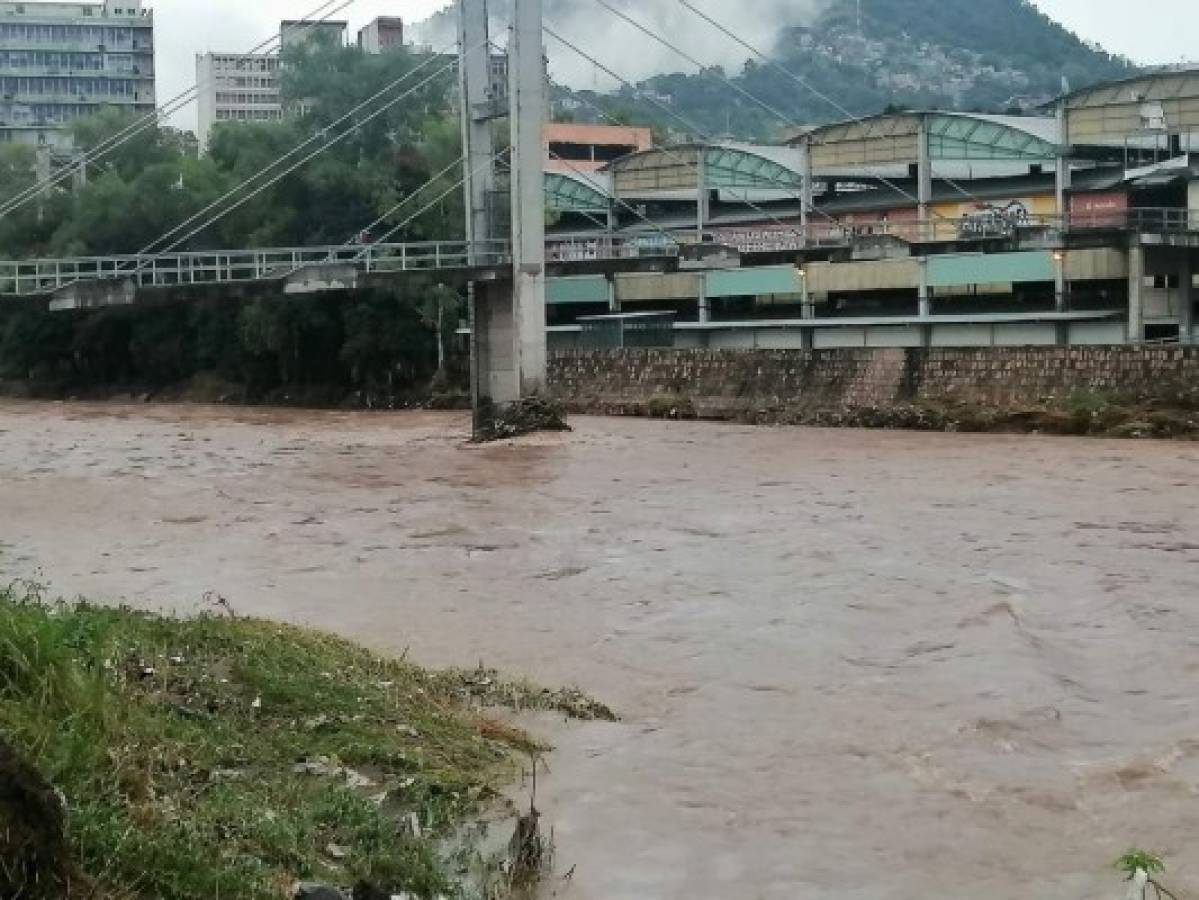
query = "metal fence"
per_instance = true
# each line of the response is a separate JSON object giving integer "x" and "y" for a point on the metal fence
{"x": 37, "y": 276}
{"x": 45, "y": 276}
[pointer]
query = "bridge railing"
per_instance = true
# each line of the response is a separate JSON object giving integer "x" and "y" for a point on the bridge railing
{"x": 37, "y": 276}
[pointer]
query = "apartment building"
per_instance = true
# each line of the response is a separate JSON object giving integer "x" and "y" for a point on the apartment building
{"x": 236, "y": 87}
{"x": 383, "y": 35}
{"x": 60, "y": 62}
{"x": 246, "y": 87}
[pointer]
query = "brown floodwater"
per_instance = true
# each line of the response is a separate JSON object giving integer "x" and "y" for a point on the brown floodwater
{"x": 850, "y": 664}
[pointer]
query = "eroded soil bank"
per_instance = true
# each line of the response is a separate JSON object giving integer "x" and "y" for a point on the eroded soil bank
{"x": 850, "y": 664}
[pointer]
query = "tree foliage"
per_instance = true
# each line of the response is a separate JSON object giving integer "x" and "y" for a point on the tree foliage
{"x": 156, "y": 180}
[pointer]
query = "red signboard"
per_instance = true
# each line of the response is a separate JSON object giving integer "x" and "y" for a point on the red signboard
{"x": 1098, "y": 210}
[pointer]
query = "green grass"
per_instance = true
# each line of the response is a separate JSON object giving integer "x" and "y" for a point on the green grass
{"x": 175, "y": 743}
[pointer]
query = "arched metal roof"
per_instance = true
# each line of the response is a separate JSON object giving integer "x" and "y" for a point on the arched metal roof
{"x": 738, "y": 168}
{"x": 1139, "y": 111}
{"x": 880, "y": 144}
{"x": 578, "y": 192}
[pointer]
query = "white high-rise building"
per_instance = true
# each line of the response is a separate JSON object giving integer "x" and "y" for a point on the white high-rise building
{"x": 60, "y": 62}
{"x": 236, "y": 87}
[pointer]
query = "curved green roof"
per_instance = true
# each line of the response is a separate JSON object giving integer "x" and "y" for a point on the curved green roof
{"x": 577, "y": 192}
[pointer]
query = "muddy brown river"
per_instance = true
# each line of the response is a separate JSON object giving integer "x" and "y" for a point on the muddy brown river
{"x": 850, "y": 664}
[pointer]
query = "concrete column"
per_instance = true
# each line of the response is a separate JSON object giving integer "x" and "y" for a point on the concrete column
{"x": 474, "y": 63}
{"x": 701, "y": 194}
{"x": 1186, "y": 299}
{"x": 1136, "y": 293}
{"x": 613, "y": 299}
{"x": 1063, "y": 178}
{"x": 705, "y": 302}
{"x": 924, "y": 294}
{"x": 527, "y": 89}
{"x": 806, "y": 190}
{"x": 924, "y": 177}
{"x": 493, "y": 333}
{"x": 807, "y": 307}
{"x": 1060, "y": 288}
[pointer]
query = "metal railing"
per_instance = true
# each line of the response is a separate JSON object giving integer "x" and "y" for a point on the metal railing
{"x": 573, "y": 248}
{"x": 986, "y": 224}
{"x": 45, "y": 276}
{"x": 41, "y": 276}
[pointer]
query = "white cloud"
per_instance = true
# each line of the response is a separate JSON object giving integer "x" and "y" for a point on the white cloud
{"x": 186, "y": 27}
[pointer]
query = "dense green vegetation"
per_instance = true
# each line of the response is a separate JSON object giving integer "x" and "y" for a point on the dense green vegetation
{"x": 374, "y": 348}
{"x": 380, "y": 345}
{"x": 157, "y": 180}
{"x": 226, "y": 757}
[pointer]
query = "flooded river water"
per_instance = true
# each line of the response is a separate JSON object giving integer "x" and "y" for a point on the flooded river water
{"x": 850, "y": 664}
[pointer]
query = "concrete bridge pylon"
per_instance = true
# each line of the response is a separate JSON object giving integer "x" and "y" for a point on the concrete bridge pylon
{"x": 508, "y": 343}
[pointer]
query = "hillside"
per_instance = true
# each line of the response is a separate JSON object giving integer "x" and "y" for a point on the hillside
{"x": 985, "y": 55}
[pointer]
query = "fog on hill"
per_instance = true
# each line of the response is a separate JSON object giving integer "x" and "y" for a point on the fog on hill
{"x": 628, "y": 52}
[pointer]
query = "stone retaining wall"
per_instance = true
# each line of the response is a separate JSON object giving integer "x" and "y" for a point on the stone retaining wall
{"x": 799, "y": 385}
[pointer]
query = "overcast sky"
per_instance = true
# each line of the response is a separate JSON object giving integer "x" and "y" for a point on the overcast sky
{"x": 1153, "y": 31}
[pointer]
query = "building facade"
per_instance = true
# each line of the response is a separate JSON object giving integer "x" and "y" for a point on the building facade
{"x": 383, "y": 35}
{"x": 236, "y": 87}
{"x": 61, "y": 62}
{"x": 588, "y": 148}
{"x": 294, "y": 32}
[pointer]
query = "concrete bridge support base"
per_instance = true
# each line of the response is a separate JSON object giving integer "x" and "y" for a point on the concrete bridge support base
{"x": 495, "y": 346}
{"x": 94, "y": 295}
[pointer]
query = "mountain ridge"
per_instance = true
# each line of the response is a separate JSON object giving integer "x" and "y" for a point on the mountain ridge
{"x": 992, "y": 56}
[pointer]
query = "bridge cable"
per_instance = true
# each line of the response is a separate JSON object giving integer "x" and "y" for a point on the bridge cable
{"x": 783, "y": 117}
{"x": 804, "y": 83}
{"x": 143, "y": 264}
{"x": 151, "y": 119}
{"x": 299, "y": 148}
{"x": 332, "y": 255}
{"x": 688, "y": 125}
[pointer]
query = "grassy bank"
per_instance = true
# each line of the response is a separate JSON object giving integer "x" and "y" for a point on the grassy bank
{"x": 226, "y": 757}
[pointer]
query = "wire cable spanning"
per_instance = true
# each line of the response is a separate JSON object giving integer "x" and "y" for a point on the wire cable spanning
{"x": 412, "y": 218}
{"x": 802, "y": 82}
{"x": 688, "y": 125}
{"x": 585, "y": 177}
{"x": 734, "y": 86}
{"x": 151, "y": 119}
{"x": 142, "y": 264}
{"x": 430, "y": 181}
{"x": 428, "y": 206}
{"x": 299, "y": 148}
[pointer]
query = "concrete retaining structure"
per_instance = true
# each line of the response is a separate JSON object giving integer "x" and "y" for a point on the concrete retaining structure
{"x": 814, "y": 385}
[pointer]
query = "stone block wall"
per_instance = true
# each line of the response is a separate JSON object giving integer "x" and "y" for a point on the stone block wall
{"x": 806, "y": 383}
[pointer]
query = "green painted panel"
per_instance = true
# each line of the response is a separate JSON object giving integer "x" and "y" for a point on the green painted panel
{"x": 754, "y": 282}
{"x": 584, "y": 289}
{"x": 992, "y": 268}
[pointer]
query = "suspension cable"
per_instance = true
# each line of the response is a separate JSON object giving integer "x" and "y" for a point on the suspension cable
{"x": 688, "y": 125}
{"x": 142, "y": 264}
{"x": 278, "y": 161}
{"x": 802, "y": 82}
{"x": 149, "y": 120}
{"x": 734, "y": 86}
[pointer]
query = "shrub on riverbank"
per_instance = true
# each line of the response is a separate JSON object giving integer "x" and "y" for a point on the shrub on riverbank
{"x": 226, "y": 757}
